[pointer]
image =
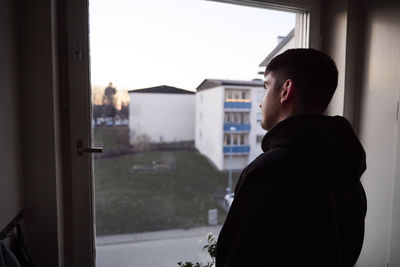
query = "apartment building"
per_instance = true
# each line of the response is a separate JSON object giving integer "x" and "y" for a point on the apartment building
{"x": 228, "y": 121}
{"x": 161, "y": 114}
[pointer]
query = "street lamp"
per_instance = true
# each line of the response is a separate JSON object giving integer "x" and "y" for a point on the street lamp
{"x": 229, "y": 188}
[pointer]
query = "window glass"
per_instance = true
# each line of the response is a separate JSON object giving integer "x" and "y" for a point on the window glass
{"x": 235, "y": 139}
{"x": 142, "y": 178}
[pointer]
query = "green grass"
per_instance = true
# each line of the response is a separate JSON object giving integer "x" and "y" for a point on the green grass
{"x": 129, "y": 202}
{"x": 111, "y": 137}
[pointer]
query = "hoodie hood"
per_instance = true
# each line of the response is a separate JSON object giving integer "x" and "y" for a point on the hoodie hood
{"x": 325, "y": 144}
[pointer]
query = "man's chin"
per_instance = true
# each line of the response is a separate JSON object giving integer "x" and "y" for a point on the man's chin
{"x": 264, "y": 125}
{"x": 268, "y": 125}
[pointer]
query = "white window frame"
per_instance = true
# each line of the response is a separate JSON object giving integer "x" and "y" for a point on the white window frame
{"x": 309, "y": 11}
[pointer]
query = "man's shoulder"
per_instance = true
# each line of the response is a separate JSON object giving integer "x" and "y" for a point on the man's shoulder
{"x": 273, "y": 159}
{"x": 272, "y": 171}
{"x": 276, "y": 166}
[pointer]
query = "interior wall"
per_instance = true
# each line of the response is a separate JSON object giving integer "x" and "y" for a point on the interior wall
{"x": 40, "y": 172}
{"x": 10, "y": 157}
{"x": 378, "y": 125}
{"x": 333, "y": 42}
{"x": 363, "y": 37}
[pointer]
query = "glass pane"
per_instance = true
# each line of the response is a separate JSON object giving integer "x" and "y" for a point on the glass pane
{"x": 162, "y": 112}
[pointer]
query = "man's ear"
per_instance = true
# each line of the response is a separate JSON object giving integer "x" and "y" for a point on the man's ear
{"x": 287, "y": 91}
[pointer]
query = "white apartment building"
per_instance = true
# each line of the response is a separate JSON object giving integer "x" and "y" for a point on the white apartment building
{"x": 284, "y": 43}
{"x": 228, "y": 121}
{"x": 161, "y": 114}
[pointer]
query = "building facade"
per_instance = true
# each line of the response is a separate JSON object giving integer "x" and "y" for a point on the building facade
{"x": 161, "y": 114}
{"x": 228, "y": 121}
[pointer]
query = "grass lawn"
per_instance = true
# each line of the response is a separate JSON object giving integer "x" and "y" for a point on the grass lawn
{"x": 129, "y": 202}
{"x": 111, "y": 138}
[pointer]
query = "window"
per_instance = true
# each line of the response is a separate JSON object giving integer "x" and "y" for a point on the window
{"x": 231, "y": 117}
{"x": 235, "y": 139}
{"x": 167, "y": 157}
{"x": 237, "y": 118}
{"x": 259, "y": 117}
{"x": 227, "y": 138}
{"x": 242, "y": 139}
{"x": 260, "y": 95}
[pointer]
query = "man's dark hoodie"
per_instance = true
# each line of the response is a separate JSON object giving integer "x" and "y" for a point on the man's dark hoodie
{"x": 300, "y": 203}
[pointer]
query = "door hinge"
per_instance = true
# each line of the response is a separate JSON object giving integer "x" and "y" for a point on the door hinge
{"x": 77, "y": 51}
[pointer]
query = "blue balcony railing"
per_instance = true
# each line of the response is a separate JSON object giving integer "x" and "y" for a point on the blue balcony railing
{"x": 237, "y": 149}
{"x": 237, "y": 105}
{"x": 238, "y": 127}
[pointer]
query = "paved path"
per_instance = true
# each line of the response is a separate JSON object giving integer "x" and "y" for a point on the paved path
{"x": 153, "y": 249}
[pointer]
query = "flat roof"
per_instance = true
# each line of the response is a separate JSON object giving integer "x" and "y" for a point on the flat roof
{"x": 162, "y": 89}
{"x": 211, "y": 83}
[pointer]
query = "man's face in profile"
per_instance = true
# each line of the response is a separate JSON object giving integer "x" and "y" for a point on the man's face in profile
{"x": 270, "y": 104}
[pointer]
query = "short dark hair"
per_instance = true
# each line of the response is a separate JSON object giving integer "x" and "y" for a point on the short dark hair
{"x": 313, "y": 72}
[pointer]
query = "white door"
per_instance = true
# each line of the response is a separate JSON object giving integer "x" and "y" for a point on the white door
{"x": 81, "y": 222}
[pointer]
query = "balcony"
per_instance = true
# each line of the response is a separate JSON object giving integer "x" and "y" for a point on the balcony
{"x": 237, "y": 149}
{"x": 239, "y": 127}
{"x": 237, "y": 104}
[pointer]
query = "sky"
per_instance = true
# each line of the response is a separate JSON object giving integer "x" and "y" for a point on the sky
{"x": 143, "y": 43}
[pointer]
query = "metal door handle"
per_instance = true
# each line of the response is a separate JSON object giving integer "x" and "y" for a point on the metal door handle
{"x": 81, "y": 149}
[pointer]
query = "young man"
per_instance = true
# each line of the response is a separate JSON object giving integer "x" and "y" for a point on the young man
{"x": 300, "y": 203}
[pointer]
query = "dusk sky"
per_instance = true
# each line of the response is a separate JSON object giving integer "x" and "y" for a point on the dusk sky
{"x": 138, "y": 44}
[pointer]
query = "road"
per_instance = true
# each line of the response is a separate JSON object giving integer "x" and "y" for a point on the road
{"x": 154, "y": 249}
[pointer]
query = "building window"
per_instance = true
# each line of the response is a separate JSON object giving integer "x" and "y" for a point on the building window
{"x": 259, "y": 117}
{"x": 242, "y": 139}
{"x": 200, "y": 134}
{"x": 237, "y": 139}
{"x": 228, "y": 94}
{"x": 231, "y": 117}
{"x": 227, "y": 140}
{"x": 236, "y": 117}
{"x": 259, "y": 138}
{"x": 260, "y": 95}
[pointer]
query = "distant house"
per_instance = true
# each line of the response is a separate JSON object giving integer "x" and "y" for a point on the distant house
{"x": 228, "y": 121}
{"x": 284, "y": 43}
{"x": 161, "y": 114}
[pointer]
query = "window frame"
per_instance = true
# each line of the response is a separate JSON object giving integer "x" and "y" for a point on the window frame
{"x": 79, "y": 241}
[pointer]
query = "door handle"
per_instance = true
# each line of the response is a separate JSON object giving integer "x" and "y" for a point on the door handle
{"x": 81, "y": 149}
